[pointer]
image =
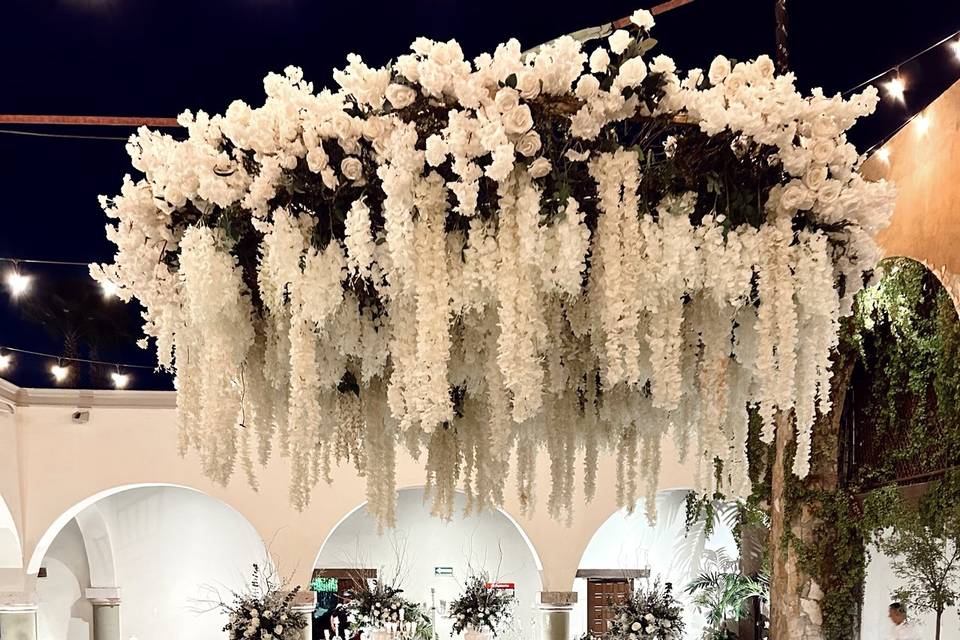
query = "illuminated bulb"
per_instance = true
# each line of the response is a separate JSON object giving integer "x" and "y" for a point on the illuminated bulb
{"x": 5, "y": 360}
{"x": 895, "y": 88}
{"x": 109, "y": 288}
{"x": 955, "y": 45}
{"x": 923, "y": 124}
{"x": 120, "y": 380}
{"x": 60, "y": 372}
{"x": 17, "y": 283}
{"x": 884, "y": 154}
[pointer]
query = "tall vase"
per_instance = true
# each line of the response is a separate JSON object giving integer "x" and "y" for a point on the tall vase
{"x": 473, "y": 634}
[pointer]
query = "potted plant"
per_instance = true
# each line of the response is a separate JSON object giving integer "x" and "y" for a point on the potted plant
{"x": 479, "y": 611}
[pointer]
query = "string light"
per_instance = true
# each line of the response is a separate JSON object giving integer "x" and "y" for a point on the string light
{"x": 109, "y": 288}
{"x": 6, "y": 359}
{"x": 120, "y": 380}
{"x": 17, "y": 283}
{"x": 895, "y": 88}
{"x": 60, "y": 372}
{"x": 955, "y": 45}
{"x": 884, "y": 154}
{"x": 923, "y": 124}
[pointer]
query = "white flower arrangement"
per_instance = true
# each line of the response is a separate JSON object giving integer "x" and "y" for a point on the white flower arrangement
{"x": 571, "y": 249}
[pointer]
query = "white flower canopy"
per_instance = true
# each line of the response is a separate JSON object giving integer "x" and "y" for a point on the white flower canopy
{"x": 571, "y": 250}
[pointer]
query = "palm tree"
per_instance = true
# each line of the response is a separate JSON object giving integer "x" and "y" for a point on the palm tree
{"x": 723, "y": 596}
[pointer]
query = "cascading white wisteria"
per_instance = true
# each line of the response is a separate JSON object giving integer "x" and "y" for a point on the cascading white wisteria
{"x": 478, "y": 259}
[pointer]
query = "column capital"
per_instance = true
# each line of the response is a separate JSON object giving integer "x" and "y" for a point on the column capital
{"x": 103, "y": 596}
{"x": 16, "y": 601}
{"x": 557, "y": 599}
{"x": 305, "y": 601}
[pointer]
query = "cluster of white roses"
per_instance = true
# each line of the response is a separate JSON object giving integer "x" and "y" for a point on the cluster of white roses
{"x": 517, "y": 327}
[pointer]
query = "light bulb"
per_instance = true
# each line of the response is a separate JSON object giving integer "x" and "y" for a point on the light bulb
{"x": 955, "y": 45}
{"x": 923, "y": 124}
{"x": 884, "y": 154}
{"x": 109, "y": 288}
{"x": 5, "y": 361}
{"x": 120, "y": 380}
{"x": 895, "y": 88}
{"x": 17, "y": 283}
{"x": 60, "y": 372}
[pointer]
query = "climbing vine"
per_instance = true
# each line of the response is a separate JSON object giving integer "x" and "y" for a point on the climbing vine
{"x": 903, "y": 401}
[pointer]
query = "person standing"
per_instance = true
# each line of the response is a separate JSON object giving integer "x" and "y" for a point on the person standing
{"x": 902, "y": 628}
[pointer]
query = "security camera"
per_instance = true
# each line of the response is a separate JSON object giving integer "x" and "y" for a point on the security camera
{"x": 81, "y": 417}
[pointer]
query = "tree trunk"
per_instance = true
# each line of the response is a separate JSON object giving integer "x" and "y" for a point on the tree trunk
{"x": 795, "y": 596}
{"x": 939, "y": 621}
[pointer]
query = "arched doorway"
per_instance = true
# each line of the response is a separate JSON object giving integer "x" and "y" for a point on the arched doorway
{"x": 627, "y": 548}
{"x": 430, "y": 558}
{"x": 174, "y": 552}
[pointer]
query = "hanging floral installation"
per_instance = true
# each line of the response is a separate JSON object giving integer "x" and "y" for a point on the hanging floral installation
{"x": 577, "y": 250}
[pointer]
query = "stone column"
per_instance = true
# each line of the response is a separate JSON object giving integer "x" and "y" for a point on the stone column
{"x": 106, "y": 612}
{"x": 306, "y": 603}
{"x": 555, "y": 608}
{"x": 18, "y": 616}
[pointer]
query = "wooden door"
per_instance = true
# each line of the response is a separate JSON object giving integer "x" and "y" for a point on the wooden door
{"x": 602, "y": 598}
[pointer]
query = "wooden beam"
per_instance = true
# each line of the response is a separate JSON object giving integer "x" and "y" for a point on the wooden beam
{"x": 96, "y": 121}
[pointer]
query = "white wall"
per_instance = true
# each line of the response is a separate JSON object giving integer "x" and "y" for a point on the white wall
{"x": 629, "y": 542}
{"x": 487, "y": 541}
{"x": 9, "y": 541}
{"x": 881, "y": 582}
{"x": 65, "y": 613}
{"x": 171, "y": 546}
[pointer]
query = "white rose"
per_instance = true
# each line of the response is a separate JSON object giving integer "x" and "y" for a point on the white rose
{"x": 734, "y": 82}
{"x": 528, "y": 84}
{"x": 824, "y": 127}
{"x": 436, "y": 152}
{"x": 619, "y": 41}
{"x": 507, "y": 100}
{"x": 635, "y": 626}
{"x": 792, "y": 196}
{"x": 587, "y": 87}
{"x": 829, "y": 192}
{"x": 599, "y": 60}
{"x": 539, "y": 168}
{"x": 822, "y": 151}
{"x": 649, "y": 616}
{"x": 373, "y": 128}
{"x": 643, "y": 19}
{"x": 528, "y": 144}
{"x": 663, "y": 64}
{"x": 351, "y": 168}
{"x": 765, "y": 66}
{"x": 400, "y": 95}
{"x": 815, "y": 176}
{"x": 632, "y": 72}
{"x": 518, "y": 120}
{"x": 719, "y": 69}
{"x": 278, "y": 630}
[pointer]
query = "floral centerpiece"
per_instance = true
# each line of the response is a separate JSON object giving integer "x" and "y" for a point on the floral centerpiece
{"x": 480, "y": 608}
{"x": 579, "y": 248}
{"x": 264, "y": 612}
{"x": 650, "y": 612}
{"x": 383, "y": 607}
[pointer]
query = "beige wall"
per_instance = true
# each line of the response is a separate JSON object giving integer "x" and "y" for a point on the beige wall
{"x": 926, "y": 170}
{"x": 64, "y": 467}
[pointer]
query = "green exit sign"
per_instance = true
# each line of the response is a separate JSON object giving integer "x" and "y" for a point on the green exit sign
{"x": 443, "y": 571}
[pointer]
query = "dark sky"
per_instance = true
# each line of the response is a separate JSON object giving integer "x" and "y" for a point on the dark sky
{"x": 158, "y": 57}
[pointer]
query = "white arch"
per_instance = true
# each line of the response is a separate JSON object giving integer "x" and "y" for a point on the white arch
{"x": 523, "y": 534}
{"x": 11, "y": 549}
{"x": 99, "y": 548}
{"x": 43, "y": 544}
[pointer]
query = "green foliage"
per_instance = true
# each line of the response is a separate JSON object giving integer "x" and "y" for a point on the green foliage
{"x": 722, "y": 597}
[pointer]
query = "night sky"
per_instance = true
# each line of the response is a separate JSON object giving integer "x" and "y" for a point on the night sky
{"x": 159, "y": 57}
